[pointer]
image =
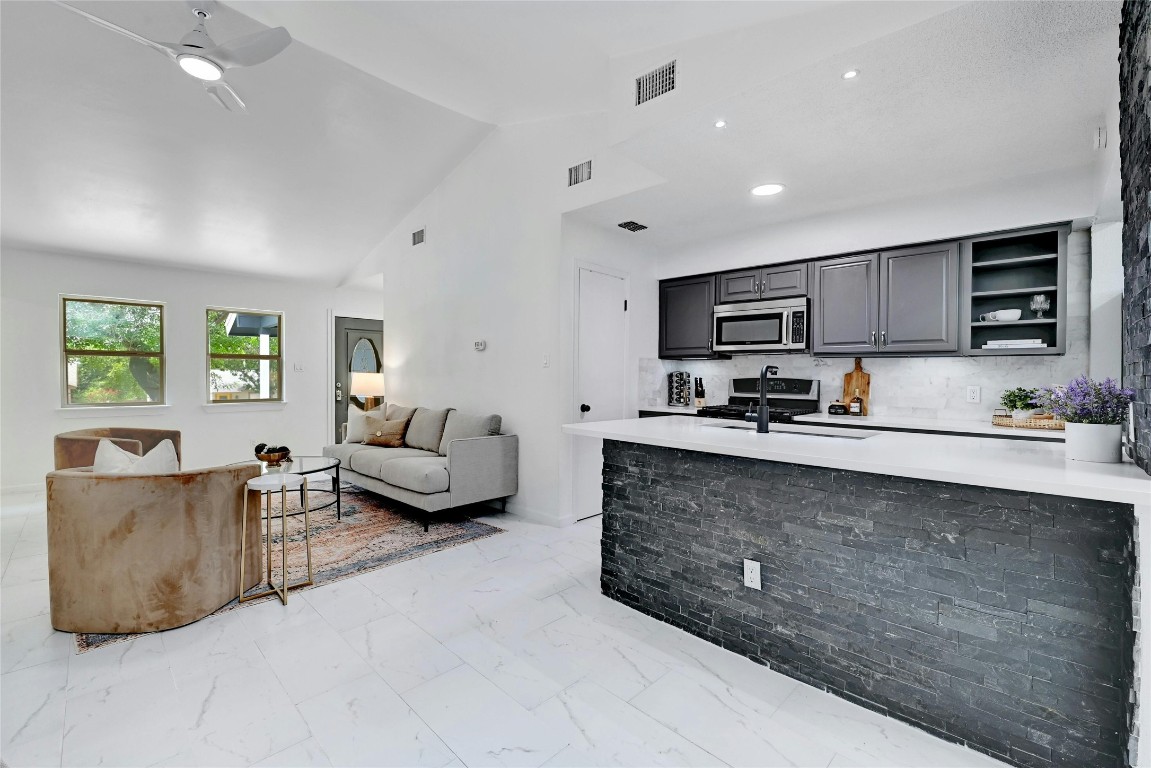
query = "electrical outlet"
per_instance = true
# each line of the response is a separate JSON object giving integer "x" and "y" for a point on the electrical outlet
{"x": 751, "y": 574}
{"x": 973, "y": 394}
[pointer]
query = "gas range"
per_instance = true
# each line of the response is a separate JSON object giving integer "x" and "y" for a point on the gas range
{"x": 786, "y": 397}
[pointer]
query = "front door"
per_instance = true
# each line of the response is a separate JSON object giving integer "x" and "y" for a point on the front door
{"x": 359, "y": 348}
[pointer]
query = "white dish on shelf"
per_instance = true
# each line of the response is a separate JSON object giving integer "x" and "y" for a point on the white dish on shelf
{"x": 1001, "y": 316}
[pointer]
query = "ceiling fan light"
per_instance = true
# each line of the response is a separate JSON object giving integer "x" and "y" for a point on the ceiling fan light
{"x": 199, "y": 67}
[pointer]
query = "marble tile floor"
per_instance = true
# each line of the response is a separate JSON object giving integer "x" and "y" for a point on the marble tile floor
{"x": 498, "y": 652}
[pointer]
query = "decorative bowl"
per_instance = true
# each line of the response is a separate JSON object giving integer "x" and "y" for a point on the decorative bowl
{"x": 274, "y": 459}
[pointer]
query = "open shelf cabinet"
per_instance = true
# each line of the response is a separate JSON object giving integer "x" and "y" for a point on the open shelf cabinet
{"x": 1004, "y": 271}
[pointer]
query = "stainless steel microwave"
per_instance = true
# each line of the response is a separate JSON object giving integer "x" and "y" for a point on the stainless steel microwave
{"x": 761, "y": 326}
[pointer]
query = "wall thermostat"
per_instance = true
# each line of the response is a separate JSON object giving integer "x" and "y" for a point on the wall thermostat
{"x": 481, "y": 346}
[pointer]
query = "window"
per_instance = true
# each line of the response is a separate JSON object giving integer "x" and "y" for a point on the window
{"x": 245, "y": 355}
{"x": 113, "y": 352}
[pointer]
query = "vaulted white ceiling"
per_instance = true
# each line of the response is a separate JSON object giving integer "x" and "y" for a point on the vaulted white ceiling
{"x": 110, "y": 149}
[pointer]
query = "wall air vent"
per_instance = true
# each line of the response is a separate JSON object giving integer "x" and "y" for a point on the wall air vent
{"x": 418, "y": 237}
{"x": 655, "y": 83}
{"x": 578, "y": 174}
{"x": 632, "y": 226}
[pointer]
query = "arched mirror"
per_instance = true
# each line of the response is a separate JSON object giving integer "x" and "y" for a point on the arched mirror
{"x": 365, "y": 358}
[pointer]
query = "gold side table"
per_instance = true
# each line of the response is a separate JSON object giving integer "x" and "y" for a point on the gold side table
{"x": 266, "y": 485}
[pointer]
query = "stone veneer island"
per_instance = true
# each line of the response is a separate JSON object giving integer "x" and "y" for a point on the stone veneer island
{"x": 997, "y": 617}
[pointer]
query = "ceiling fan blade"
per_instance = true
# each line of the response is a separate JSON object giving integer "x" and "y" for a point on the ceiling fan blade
{"x": 248, "y": 50}
{"x": 159, "y": 47}
{"x": 225, "y": 96}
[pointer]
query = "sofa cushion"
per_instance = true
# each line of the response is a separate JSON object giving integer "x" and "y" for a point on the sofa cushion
{"x": 427, "y": 475}
{"x": 357, "y": 422}
{"x": 426, "y": 429}
{"x": 371, "y": 460}
{"x": 399, "y": 412}
{"x": 462, "y": 425}
{"x": 344, "y": 451}
{"x": 111, "y": 458}
{"x": 384, "y": 433}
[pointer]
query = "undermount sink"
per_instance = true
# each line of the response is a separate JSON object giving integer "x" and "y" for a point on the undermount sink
{"x": 795, "y": 431}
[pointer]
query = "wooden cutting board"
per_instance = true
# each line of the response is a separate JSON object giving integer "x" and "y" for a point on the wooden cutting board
{"x": 859, "y": 379}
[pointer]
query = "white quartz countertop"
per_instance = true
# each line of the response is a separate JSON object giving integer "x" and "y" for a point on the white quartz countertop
{"x": 1020, "y": 465}
{"x": 934, "y": 425}
{"x": 962, "y": 426}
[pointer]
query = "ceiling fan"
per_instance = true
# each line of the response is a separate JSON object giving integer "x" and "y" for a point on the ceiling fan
{"x": 199, "y": 56}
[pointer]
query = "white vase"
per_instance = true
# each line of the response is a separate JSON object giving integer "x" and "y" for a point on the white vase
{"x": 1101, "y": 443}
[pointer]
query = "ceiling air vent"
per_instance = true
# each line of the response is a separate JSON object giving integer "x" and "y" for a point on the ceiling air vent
{"x": 632, "y": 226}
{"x": 655, "y": 83}
{"x": 578, "y": 174}
{"x": 418, "y": 237}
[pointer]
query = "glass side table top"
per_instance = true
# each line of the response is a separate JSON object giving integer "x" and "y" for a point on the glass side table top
{"x": 301, "y": 465}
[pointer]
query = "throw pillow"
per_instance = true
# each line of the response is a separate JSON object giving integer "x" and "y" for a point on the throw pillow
{"x": 399, "y": 412}
{"x": 426, "y": 429}
{"x": 384, "y": 433}
{"x": 111, "y": 458}
{"x": 357, "y": 424}
{"x": 463, "y": 425}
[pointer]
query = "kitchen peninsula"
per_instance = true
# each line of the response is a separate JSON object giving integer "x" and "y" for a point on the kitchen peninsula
{"x": 980, "y": 589}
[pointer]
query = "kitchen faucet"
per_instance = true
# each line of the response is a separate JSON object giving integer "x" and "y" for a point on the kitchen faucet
{"x": 763, "y": 413}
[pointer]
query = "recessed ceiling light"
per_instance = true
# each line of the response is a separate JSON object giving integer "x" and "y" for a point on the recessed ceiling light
{"x": 851, "y": 74}
{"x": 197, "y": 66}
{"x": 720, "y": 123}
{"x": 767, "y": 189}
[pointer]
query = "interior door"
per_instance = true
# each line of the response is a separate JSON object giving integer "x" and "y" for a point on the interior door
{"x": 601, "y": 379}
{"x": 359, "y": 347}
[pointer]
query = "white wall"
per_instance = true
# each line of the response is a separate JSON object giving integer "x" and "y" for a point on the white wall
{"x": 925, "y": 387}
{"x": 1107, "y": 300}
{"x": 493, "y": 268}
{"x": 30, "y": 411}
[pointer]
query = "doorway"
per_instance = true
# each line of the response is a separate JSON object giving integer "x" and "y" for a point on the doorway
{"x": 359, "y": 348}
{"x": 601, "y": 378}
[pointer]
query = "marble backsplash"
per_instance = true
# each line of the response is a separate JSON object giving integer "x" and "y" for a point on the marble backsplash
{"x": 926, "y": 387}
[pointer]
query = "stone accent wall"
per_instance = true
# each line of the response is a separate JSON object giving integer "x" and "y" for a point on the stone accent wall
{"x": 1135, "y": 154}
{"x": 998, "y": 619}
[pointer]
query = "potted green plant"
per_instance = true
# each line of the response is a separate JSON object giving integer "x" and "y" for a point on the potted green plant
{"x": 1020, "y": 402}
{"x": 1094, "y": 412}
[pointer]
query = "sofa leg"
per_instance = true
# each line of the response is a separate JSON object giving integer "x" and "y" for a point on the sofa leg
{"x": 504, "y": 504}
{"x": 425, "y": 526}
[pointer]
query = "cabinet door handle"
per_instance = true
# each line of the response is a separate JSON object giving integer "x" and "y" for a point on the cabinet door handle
{"x": 883, "y": 338}
{"x": 873, "y": 338}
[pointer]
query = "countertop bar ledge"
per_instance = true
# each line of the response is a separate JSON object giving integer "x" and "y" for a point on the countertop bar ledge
{"x": 1037, "y": 467}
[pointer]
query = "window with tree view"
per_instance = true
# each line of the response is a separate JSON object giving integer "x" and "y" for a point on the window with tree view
{"x": 113, "y": 352}
{"x": 244, "y": 355}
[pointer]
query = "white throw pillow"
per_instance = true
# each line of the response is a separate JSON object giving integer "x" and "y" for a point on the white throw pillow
{"x": 111, "y": 458}
{"x": 358, "y": 422}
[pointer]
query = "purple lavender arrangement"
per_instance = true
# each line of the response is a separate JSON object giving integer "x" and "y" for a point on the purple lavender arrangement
{"x": 1085, "y": 401}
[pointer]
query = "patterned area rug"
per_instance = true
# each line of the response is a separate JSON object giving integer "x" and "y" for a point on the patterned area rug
{"x": 375, "y": 532}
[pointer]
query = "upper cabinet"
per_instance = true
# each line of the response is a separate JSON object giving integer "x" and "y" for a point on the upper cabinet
{"x": 845, "y": 306}
{"x": 763, "y": 283}
{"x": 685, "y": 307}
{"x": 918, "y": 298}
{"x": 896, "y": 302}
{"x": 1022, "y": 272}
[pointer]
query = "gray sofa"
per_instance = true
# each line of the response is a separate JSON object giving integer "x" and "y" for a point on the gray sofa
{"x": 449, "y": 459}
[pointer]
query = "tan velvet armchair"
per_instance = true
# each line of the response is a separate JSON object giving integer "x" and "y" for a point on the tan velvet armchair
{"x": 140, "y": 553}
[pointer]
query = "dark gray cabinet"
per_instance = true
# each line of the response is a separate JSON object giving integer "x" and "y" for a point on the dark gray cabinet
{"x": 685, "y": 306}
{"x": 763, "y": 283}
{"x": 918, "y": 293}
{"x": 845, "y": 305}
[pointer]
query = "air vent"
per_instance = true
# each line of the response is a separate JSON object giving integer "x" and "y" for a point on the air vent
{"x": 578, "y": 174}
{"x": 655, "y": 83}
{"x": 632, "y": 226}
{"x": 418, "y": 237}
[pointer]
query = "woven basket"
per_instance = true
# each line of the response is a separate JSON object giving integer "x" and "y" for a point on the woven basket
{"x": 1041, "y": 422}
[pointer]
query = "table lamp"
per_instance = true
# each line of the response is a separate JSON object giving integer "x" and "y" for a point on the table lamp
{"x": 369, "y": 386}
